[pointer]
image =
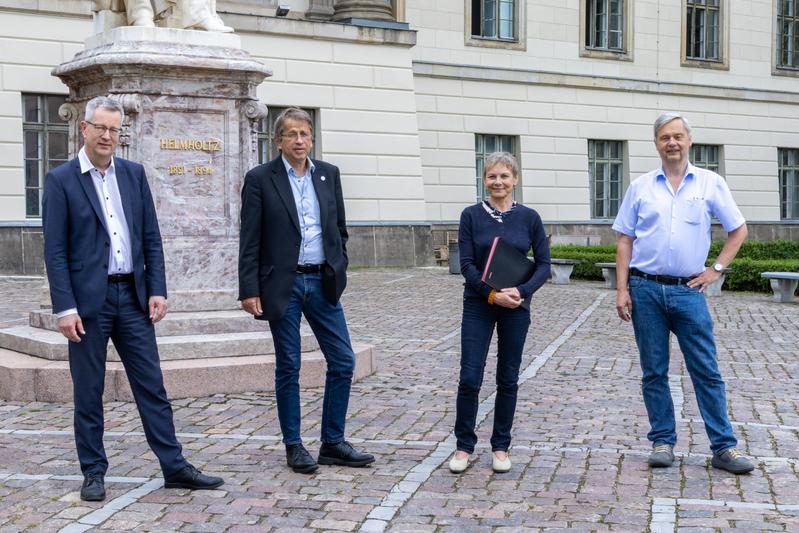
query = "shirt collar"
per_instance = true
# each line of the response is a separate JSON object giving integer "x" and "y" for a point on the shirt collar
{"x": 690, "y": 171}
{"x": 86, "y": 164}
{"x": 290, "y": 169}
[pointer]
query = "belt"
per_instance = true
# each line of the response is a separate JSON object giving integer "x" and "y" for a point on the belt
{"x": 660, "y": 278}
{"x": 309, "y": 269}
{"x": 120, "y": 278}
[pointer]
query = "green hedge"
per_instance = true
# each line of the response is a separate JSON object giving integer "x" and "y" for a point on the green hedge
{"x": 753, "y": 259}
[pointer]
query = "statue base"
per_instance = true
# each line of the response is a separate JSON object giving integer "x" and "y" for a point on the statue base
{"x": 192, "y": 119}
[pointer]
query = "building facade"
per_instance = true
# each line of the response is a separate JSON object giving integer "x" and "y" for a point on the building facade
{"x": 409, "y": 95}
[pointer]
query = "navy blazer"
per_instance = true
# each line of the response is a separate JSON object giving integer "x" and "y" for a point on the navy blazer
{"x": 76, "y": 241}
{"x": 269, "y": 244}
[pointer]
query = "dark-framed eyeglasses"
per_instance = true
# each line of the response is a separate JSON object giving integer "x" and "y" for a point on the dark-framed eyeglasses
{"x": 102, "y": 130}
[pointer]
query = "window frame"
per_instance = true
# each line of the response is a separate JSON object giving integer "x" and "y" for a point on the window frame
{"x": 623, "y": 54}
{"x": 43, "y": 128}
{"x": 266, "y": 136}
{"x": 783, "y": 187}
{"x": 479, "y": 160}
{"x": 703, "y": 164}
{"x": 723, "y": 62}
{"x": 623, "y": 180}
{"x": 519, "y": 41}
{"x": 777, "y": 68}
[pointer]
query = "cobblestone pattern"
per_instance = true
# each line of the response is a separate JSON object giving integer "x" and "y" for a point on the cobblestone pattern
{"x": 579, "y": 449}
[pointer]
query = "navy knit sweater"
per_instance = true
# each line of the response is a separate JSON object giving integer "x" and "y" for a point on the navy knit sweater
{"x": 522, "y": 228}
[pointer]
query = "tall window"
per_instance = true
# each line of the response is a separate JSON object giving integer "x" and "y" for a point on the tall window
{"x": 494, "y": 19}
{"x": 788, "y": 34}
{"x": 702, "y": 31}
{"x": 706, "y": 156}
{"x": 605, "y": 171}
{"x": 45, "y": 145}
{"x": 604, "y": 25}
{"x": 789, "y": 182}
{"x": 266, "y": 140}
{"x": 485, "y": 144}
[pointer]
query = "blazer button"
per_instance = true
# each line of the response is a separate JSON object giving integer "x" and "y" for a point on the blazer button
{"x": 106, "y": 245}
{"x": 105, "y": 266}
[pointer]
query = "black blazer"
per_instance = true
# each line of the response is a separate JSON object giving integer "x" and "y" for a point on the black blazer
{"x": 76, "y": 242}
{"x": 269, "y": 244}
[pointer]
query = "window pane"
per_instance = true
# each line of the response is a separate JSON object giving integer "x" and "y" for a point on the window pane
{"x": 53, "y": 103}
{"x": 32, "y": 172}
{"x": 32, "y": 203}
{"x": 30, "y": 103}
{"x": 32, "y": 147}
{"x": 605, "y": 168}
{"x": 57, "y": 145}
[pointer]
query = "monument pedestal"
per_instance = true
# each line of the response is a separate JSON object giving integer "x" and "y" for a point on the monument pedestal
{"x": 191, "y": 118}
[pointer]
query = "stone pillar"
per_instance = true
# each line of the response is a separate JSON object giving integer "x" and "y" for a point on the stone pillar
{"x": 363, "y": 9}
{"x": 190, "y": 113}
{"x": 320, "y": 10}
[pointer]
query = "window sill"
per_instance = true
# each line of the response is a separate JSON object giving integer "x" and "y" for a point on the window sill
{"x": 785, "y": 71}
{"x": 709, "y": 64}
{"x": 613, "y": 55}
{"x": 488, "y": 42}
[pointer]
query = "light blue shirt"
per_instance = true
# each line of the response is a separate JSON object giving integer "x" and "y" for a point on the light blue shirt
{"x": 311, "y": 250}
{"x": 672, "y": 228}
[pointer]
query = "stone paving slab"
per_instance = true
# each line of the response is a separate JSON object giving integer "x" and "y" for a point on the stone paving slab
{"x": 579, "y": 449}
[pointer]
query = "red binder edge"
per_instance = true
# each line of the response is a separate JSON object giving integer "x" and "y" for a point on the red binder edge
{"x": 490, "y": 256}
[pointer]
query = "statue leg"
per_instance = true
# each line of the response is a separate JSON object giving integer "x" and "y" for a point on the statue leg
{"x": 140, "y": 13}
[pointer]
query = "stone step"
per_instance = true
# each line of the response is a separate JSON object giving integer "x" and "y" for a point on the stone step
{"x": 53, "y": 346}
{"x": 179, "y": 323}
{"x": 27, "y": 378}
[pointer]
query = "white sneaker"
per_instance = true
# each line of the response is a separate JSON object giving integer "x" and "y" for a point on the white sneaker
{"x": 456, "y": 466}
{"x": 500, "y": 465}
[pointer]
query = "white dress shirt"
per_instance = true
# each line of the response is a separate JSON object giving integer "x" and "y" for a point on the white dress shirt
{"x": 120, "y": 260}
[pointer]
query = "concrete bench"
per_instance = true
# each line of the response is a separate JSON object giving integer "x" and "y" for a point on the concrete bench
{"x": 562, "y": 270}
{"x": 783, "y": 284}
{"x": 609, "y": 273}
{"x": 714, "y": 289}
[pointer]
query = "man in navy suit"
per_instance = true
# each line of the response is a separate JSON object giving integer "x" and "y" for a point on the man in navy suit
{"x": 293, "y": 261}
{"x": 105, "y": 264}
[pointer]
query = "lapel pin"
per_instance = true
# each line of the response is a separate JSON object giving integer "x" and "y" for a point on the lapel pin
{"x": 323, "y": 178}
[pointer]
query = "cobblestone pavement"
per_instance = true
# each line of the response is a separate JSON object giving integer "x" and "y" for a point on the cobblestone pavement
{"x": 579, "y": 449}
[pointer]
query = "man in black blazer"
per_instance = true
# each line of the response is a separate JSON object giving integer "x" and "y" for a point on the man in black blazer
{"x": 105, "y": 265}
{"x": 293, "y": 261}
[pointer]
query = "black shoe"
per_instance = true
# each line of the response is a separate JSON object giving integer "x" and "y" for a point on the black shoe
{"x": 732, "y": 461}
{"x": 299, "y": 459}
{"x": 343, "y": 454}
{"x": 93, "y": 488}
{"x": 191, "y": 478}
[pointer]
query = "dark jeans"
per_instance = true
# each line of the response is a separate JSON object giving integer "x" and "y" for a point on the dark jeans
{"x": 657, "y": 310}
{"x": 122, "y": 320}
{"x": 477, "y": 328}
{"x": 330, "y": 327}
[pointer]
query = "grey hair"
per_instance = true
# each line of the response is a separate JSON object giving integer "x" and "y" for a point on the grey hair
{"x": 501, "y": 158}
{"x": 291, "y": 113}
{"x": 106, "y": 103}
{"x": 665, "y": 118}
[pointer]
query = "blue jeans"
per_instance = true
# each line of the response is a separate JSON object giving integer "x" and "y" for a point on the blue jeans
{"x": 477, "y": 328}
{"x": 330, "y": 327}
{"x": 657, "y": 310}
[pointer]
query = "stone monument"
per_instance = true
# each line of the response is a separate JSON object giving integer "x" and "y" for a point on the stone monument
{"x": 191, "y": 114}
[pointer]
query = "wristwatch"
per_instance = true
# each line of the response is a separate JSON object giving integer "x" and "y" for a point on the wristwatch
{"x": 718, "y": 267}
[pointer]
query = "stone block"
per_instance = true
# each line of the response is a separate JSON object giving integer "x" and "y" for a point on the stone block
{"x": 11, "y": 255}
{"x": 394, "y": 246}
{"x": 33, "y": 252}
{"x": 361, "y": 246}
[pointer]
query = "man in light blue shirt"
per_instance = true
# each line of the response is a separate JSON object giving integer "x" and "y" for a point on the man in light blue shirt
{"x": 663, "y": 230}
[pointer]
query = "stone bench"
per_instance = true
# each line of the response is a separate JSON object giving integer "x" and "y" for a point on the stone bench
{"x": 609, "y": 273}
{"x": 783, "y": 284}
{"x": 714, "y": 289}
{"x": 562, "y": 270}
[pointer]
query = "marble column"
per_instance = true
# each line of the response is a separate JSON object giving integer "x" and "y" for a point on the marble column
{"x": 363, "y": 9}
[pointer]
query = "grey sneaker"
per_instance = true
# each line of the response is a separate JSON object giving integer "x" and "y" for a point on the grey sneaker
{"x": 662, "y": 456}
{"x": 732, "y": 461}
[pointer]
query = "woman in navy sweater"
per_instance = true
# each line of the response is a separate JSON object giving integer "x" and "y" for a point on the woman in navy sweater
{"x": 485, "y": 308}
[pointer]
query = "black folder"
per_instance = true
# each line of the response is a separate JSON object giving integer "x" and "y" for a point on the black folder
{"x": 507, "y": 267}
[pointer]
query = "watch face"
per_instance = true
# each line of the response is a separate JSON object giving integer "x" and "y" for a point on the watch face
{"x": 718, "y": 267}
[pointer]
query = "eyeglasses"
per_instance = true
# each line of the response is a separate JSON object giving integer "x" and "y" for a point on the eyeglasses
{"x": 293, "y": 135}
{"x": 102, "y": 130}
